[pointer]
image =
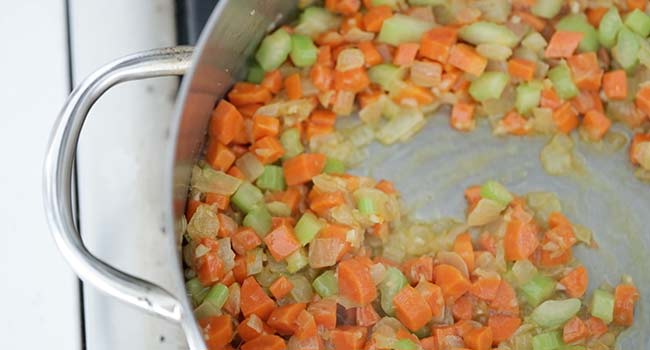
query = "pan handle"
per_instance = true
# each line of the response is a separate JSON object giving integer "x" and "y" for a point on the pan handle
{"x": 59, "y": 162}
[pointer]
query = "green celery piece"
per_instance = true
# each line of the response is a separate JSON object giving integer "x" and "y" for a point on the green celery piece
{"x": 334, "y": 166}
{"x": 401, "y": 29}
{"x": 538, "y": 289}
{"x": 196, "y": 290}
{"x": 326, "y": 284}
{"x": 496, "y": 192}
{"x": 205, "y": 310}
{"x": 602, "y": 305}
{"x": 626, "y": 50}
{"x": 579, "y": 23}
{"x": 488, "y": 86}
{"x": 488, "y": 33}
{"x": 386, "y": 75}
{"x": 274, "y": 50}
{"x": 547, "y": 341}
{"x": 554, "y": 313}
{"x": 547, "y": 8}
{"x": 259, "y": 219}
{"x": 609, "y": 27}
{"x": 247, "y": 197}
{"x": 303, "y": 51}
{"x": 315, "y": 20}
{"x": 255, "y": 74}
{"x": 297, "y": 261}
{"x": 394, "y": 280}
{"x": 290, "y": 140}
{"x": 560, "y": 76}
{"x": 528, "y": 96}
{"x": 307, "y": 228}
{"x": 217, "y": 295}
{"x": 366, "y": 205}
{"x": 638, "y": 22}
{"x": 278, "y": 209}
{"x": 271, "y": 179}
{"x": 405, "y": 344}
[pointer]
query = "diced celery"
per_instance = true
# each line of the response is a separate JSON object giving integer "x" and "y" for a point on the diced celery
{"x": 271, "y": 179}
{"x": 496, "y": 192}
{"x": 405, "y": 344}
{"x": 259, "y": 219}
{"x": 206, "y": 310}
{"x": 538, "y": 289}
{"x": 196, "y": 290}
{"x": 579, "y": 23}
{"x": 407, "y": 122}
{"x": 639, "y": 22}
{"x": 602, "y": 305}
{"x": 534, "y": 41}
{"x": 316, "y": 20}
{"x": 609, "y": 27}
{"x": 386, "y": 75}
{"x": 290, "y": 140}
{"x": 560, "y": 76}
{"x": 547, "y": 341}
{"x": 394, "y": 280}
{"x": 553, "y": 313}
{"x": 297, "y": 261}
{"x": 334, "y": 166}
{"x": 366, "y": 206}
{"x": 307, "y": 228}
{"x": 400, "y": 29}
{"x": 488, "y": 33}
{"x": 303, "y": 51}
{"x": 528, "y": 96}
{"x": 626, "y": 50}
{"x": 326, "y": 284}
{"x": 247, "y": 197}
{"x": 277, "y": 208}
{"x": 547, "y": 8}
{"x": 274, "y": 50}
{"x": 255, "y": 74}
{"x": 217, "y": 295}
{"x": 488, "y": 86}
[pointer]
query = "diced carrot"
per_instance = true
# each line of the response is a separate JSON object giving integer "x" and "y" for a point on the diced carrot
{"x": 625, "y": 295}
{"x": 265, "y": 126}
{"x": 408, "y": 308}
{"x": 463, "y": 247}
{"x": 191, "y": 207}
{"x": 595, "y": 15}
{"x": 219, "y": 200}
{"x": 429, "y": 343}
{"x": 219, "y": 156}
{"x": 521, "y": 68}
{"x": 239, "y": 271}
{"x": 369, "y": 95}
{"x": 325, "y": 56}
{"x": 323, "y": 117}
{"x": 228, "y": 279}
{"x": 515, "y": 124}
{"x": 636, "y": 4}
{"x": 565, "y": 118}
{"x": 556, "y": 219}
{"x": 236, "y": 172}
{"x": 249, "y": 110}
{"x": 267, "y": 149}
{"x": 272, "y": 81}
{"x": 324, "y": 312}
{"x": 472, "y": 195}
{"x": 596, "y": 326}
{"x": 355, "y": 282}
{"x": 587, "y": 101}
{"x": 550, "y": 99}
{"x": 353, "y": 80}
{"x": 282, "y": 319}
{"x": 254, "y": 300}
{"x": 305, "y": 325}
{"x": 227, "y": 226}
{"x": 574, "y": 330}
{"x": 642, "y": 99}
{"x": 575, "y": 282}
{"x": 479, "y": 338}
{"x": 596, "y": 124}
{"x": 291, "y": 197}
{"x": 465, "y": 58}
{"x": 375, "y": 17}
{"x": 462, "y": 116}
{"x": 503, "y": 327}
{"x": 217, "y": 331}
{"x": 293, "y": 86}
{"x": 209, "y": 268}
{"x": 505, "y": 300}
{"x": 535, "y": 22}
{"x": 348, "y": 338}
{"x": 386, "y": 186}
{"x": 437, "y": 43}
{"x": 411, "y": 93}
{"x": 321, "y": 76}
{"x": 637, "y": 140}
{"x": 417, "y": 269}
{"x": 265, "y": 342}
{"x": 277, "y": 221}
{"x": 252, "y": 327}
{"x": 370, "y": 53}
{"x": 348, "y": 7}
{"x": 280, "y": 287}
{"x": 301, "y": 168}
{"x": 452, "y": 282}
{"x": 326, "y": 201}
{"x": 520, "y": 240}
{"x": 615, "y": 84}
{"x": 441, "y": 333}
{"x": 487, "y": 242}
{"x": 281, "y": 242}
{"x": 246, "y": 93}
{"x": 563, "y": 237}
{"x": 463, "y": 307}
{"x": 550, "y": 259}
{"x": 225, "y": 122}
{"x": 585, "y": 71}
{"x": 563, "y": 44}
{"x": 314, "y": 129}
{"x": 405, "y": 54}
{"x": 367, "y": 316}
{"x": 331, "y": 38}
{"x": 486, "y": 288}
{"x": 433, "y": 296}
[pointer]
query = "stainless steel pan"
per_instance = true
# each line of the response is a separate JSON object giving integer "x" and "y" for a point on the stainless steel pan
{"x": 431, "y": 170}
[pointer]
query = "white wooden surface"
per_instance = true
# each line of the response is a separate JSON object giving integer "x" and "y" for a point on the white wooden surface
{"x": 38, "y": 292}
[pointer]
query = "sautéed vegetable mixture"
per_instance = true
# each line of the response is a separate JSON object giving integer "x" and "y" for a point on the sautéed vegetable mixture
{"x": 286, "y": 250}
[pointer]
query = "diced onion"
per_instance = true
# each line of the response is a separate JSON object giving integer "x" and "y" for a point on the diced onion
{"x": 453, "y": 259}
{"x": 557, "y": 156}
{"x": 356, "y": 35}
{"x": 523, "y": 271}
{"x": 204, "y": 223}
{"x": 324, "y": 251}
{"x": 329, "y": 183}
{"x": 349, "y": 58}
{"x": 344, "y": 103}
{"x": 226, "y": 254}
{"x": 543, "y": 204}
{"x": 494, "y": 51}
{"x": 371, "y": 113}
{"x": 643, "y": 154}
{"x": 250, "y": 166}
{"x": 543, "y": 120}
{"x": 485, "y": 212}
{"x": 207, "y": 179}
{"x": 427, "y": 74}
{"x": 302, "y": 291}
{"x": 409, "y": 122}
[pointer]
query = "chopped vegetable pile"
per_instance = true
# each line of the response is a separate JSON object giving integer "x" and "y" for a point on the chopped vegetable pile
{"x": 286, "y": 250}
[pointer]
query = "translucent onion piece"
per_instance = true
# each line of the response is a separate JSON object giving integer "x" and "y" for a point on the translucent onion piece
{"x": 427, "y": 74}
{"x": 523, "y": 271}
{"x": 250, "y": 166}
{"x": 371, "y": 113}
{"x": 356, "y": 35}
{"x": 302, "y": 291}
{"x": 453, "y": 259}
{"x": 344, "y": 103}
{"x": 406, "y": 124}
{"x": 207, "y": 179}
{"x": 494, "y": 51}
{"x": 543, "y": 204}
{"x": 543, "y": 120}
{"x": 324, "y": 251}
{"x": 204, "y": 223}
{"x": 496, "y": 11}
{"x": 643, "y": 154}
{"x": 350, "y": 58}
{"x": 329, "y": 183}
{"x": 377, "y": 272}
{"x": 485, "y": 212}
{"x": 557, "y": 156}
{"x": 254, "y": 261}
